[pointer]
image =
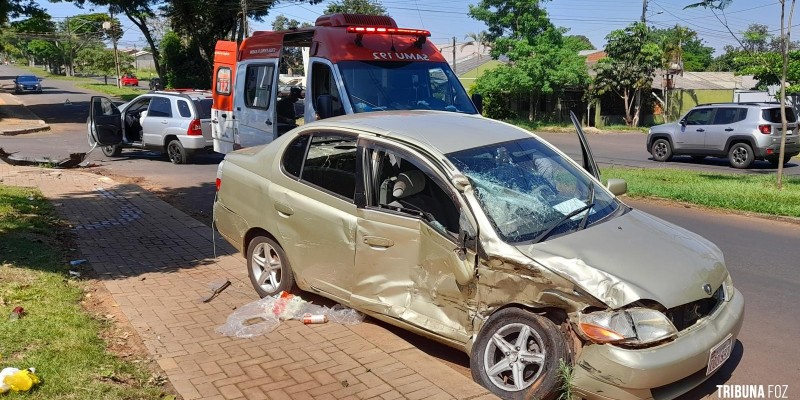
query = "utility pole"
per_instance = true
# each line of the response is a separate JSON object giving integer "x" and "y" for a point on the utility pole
{"x": 644, "y": 11}
{"x": 454, "y": 54}
{"x": 109, "y": 26}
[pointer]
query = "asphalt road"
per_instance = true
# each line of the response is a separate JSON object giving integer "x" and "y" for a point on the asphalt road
{"x": 763, "y": 255}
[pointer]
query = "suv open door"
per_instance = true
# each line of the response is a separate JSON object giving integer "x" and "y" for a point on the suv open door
{"x": 105, "y": 122}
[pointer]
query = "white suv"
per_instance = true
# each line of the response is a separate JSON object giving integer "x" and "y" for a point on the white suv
{"x": 742, "y": 132}
{"x": 177, "y": 123}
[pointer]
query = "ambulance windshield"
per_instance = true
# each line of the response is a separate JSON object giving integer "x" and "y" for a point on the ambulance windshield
{"x": 386, "y": 85}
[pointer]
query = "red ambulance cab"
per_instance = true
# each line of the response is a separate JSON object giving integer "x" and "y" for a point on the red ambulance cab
{"x": 355, "y": 63}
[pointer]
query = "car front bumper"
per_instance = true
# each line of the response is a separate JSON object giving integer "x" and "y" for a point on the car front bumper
{"x": 662, "y": 372}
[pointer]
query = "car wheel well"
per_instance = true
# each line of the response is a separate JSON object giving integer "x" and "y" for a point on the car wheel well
{"x": 736, "y": 141}
{"x": 657, "y": 136}
{"x": 555, "y": 315}
{"x": 255, "y": 232}
{"x": 168, "y": 139}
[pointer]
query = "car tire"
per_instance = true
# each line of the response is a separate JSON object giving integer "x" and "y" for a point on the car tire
{"x": 176, "y": 153}
{"x": 661, "y": 150}
{"x": 112, "y": 151}
{"x": 499, "y": 341}
{"x": 741, "y": 155}
{"x": 268, "y": 267}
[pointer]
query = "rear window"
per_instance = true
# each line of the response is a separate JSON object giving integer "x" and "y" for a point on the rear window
{"x": 203, "y": 107}
{"x": 774, "y": 115}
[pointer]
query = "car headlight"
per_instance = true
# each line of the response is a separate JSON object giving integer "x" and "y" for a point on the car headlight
{"x": 633, "y": 326}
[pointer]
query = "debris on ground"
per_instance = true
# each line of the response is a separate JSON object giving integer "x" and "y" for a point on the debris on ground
{"x": 215, "y": 290}
{"x": 75, "y": 274}
{"x": 72, "y": 161}
{"x": 263, "y": 316}
{"x": 16, "y": 313}
{"x": 75, "y": 263}
{"x": 18, "y": 380}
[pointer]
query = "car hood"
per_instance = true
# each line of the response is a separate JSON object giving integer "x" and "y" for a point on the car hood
{"x": 670, "y": 127}
{"x": 632, "y": 257}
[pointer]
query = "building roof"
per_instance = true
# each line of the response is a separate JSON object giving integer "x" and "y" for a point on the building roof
{"x": 706, "y": 80}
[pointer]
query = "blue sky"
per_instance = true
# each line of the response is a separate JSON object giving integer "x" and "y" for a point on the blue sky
{"x": 592, "y": 18}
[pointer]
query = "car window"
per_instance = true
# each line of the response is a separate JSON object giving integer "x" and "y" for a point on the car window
{"x": 400, "y": 182}
{"x": 331, "y": 164}
{"x": 160, "y": 107}
{"x": 294, "y": 155}
{"x": 725, "y": 116}
{"x": 258, "y": 85}
{"x": 699, "y": 117}
{"x": 324, "y": 84}
{"x": 183, "y": 109}
{"x": 203, "y": 107}
{"x": 774, "y": 115}
{"x": 223, "y": 81}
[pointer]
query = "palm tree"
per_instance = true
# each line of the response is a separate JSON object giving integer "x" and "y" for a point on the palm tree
{"x": 479, "y": 41}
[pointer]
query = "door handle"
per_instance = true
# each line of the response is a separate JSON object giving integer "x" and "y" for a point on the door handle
{"x": 164, "y": 122}
{"x": 224, "y": 115}
{"x": 284, "y": 209}
{"x": 213, "y": 121}
{"x": 700, "y": 130}
{"x": 268, "y": 122}
{"x": 376, "y": 241}
{"x": 729, "y": 130}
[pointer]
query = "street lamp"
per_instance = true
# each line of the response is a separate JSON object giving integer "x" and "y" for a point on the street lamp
{"x": 108, "y": 25}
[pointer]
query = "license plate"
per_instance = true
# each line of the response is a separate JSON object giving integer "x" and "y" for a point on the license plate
{"x": 719, "y": 354}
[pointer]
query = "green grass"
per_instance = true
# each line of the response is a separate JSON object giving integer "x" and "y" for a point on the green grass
{"x": 556, "y": 127}
{"x": 743, "y": 192}
{"x": 56, "y": 335}
{"x": 124, "y": 93}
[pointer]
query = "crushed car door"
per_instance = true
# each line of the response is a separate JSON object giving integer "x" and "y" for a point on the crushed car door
{"x": 105, "y": 122}
{"x": 408, "y": 262}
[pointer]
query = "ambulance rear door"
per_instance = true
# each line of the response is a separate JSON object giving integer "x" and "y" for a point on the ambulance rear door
{"x": 254, "y": 103}
{"x": 222, "y": 116}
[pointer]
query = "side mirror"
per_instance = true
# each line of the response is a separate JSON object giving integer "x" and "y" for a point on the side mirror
{"x": 324, "y": 106}
{"x": 617, "y": 186}
{"x": 682, "y": 122}
{"x": 477, "y": 99}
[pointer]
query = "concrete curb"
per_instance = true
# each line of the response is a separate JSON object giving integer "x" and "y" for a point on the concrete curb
{"x": 16, "y": 118}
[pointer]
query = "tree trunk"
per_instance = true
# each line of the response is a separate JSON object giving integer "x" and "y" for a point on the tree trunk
{"x": 785, "y": 36}
{"x": 141, "y": 23}
{"x": 532, "y": 108}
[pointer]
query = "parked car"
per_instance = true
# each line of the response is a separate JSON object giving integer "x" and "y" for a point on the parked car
{"x": 27, "y": 84}
{"x": 742, "y": 132}
{"x": 129, "y": 80}
{"x": 175, "y": 122}
{"x": 486, "y": 238}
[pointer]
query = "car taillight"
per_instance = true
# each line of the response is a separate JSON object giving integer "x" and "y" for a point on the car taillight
{"x": 765, "y": 129}
{"x": 218, "y": 182}
{"x": 195, "y": 129}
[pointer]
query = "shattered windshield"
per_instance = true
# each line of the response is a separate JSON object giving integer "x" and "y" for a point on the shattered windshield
{"x": 530, "y": 192}
{"x": 385, "y": 85}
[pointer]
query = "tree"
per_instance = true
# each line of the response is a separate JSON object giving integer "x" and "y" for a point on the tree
{"x": 542, "y": 62}
{"x": 628, "y": 70}
{"x": 756, "y": 38}
{"x": 680, "y": 45}
{"x": 580, "y": 42}
{"x": 369, "y": 7}
{"x": 19, "y": 8}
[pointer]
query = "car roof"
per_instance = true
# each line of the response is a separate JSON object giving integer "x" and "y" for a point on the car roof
{"x": 26, "y": 76}
{"x": 193, "y": 94}
{"x": 443, "y": 130}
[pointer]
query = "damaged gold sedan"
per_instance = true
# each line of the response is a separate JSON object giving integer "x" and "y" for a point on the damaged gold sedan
{"x": 485, "y": 238}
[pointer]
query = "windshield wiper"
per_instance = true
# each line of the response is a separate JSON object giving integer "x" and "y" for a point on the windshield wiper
{"x": 590, "y": 203}
{"x": 552, "y": 227}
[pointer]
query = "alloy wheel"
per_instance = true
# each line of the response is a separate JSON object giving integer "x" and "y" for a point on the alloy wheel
{"x": 266, "y": 267}
{"x": 514, "y": 357}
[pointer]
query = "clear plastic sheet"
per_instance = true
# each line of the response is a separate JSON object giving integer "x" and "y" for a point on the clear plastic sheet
{"x": 265, "y": 315}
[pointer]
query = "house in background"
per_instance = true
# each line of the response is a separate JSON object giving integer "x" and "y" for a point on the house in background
{"x": 141, "y": 59}
{"x": 679, "y": 93}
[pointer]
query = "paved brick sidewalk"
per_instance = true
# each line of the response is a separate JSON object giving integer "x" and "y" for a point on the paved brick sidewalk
{"x": 158, "y": 263}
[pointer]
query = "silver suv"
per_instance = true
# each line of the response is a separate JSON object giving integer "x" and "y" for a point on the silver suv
{"x": 176, "y": 122}
{"x": 742, "y": 132}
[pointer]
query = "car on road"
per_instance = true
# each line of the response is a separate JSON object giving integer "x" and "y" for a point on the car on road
{"x": 27, "y": 84}
{"x": 742, "y": 132}
{"x": 129, "y": 80}
{"x": 484, "y": 237}
{"x": 176, "y": 122}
